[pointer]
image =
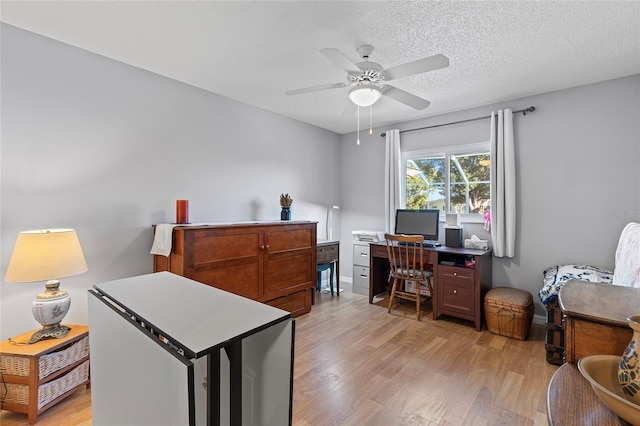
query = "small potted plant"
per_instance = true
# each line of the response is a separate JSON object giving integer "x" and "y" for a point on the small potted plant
{"x": 285, "y": 204}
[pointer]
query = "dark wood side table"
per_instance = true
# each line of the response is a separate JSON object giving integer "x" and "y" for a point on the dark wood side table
{"x": 595, "y": 318}
{"x": 572, "y": 401}
{"x": 328, "y": 252}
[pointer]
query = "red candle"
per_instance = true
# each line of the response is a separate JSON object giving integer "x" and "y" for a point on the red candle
{"x": 182, "y": 211}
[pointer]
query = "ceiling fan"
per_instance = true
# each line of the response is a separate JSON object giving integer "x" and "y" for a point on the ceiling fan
{"x": 367, "y": 79}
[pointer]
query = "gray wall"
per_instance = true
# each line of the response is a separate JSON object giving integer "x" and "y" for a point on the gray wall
{"x": 96, "y": 145}
{"x": 578, "y": 172}
{"x": 105, "y": 148}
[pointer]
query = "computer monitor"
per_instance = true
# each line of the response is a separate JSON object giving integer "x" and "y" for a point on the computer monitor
{"x": 418, "y": 222}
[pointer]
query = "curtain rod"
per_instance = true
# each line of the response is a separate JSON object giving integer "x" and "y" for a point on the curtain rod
{"x": 523, "y": 111}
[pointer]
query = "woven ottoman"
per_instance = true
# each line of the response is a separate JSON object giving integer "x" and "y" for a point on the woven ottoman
{"x": 509, "y": 312}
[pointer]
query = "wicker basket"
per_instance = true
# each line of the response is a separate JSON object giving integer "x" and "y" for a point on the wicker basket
{"x": 53, "y": 389}
{"x": 14, "y": 365}
{"x": 509, "y": 312}
{"x": 58, "y": 360}
{"x": 19, "y": 393}
{"x": 50, "y": 363}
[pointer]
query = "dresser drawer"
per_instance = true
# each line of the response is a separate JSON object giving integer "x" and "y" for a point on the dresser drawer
{"x": 327, "y": 254}
{"x": 456, "y": 296}
{"x": 297, "y": 303}
{"x": 361, "y": 254}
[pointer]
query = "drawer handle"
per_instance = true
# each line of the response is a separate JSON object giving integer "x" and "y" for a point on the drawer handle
{"x": 455, "y": 291}
{"x": 363, "y": 276}
{"x": 455, "y": 274}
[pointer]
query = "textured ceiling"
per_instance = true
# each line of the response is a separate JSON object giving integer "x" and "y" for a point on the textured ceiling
{"x": 255, "y": 51}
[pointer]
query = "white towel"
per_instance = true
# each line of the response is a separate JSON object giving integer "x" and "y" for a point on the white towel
{"x": 163, "y": 239}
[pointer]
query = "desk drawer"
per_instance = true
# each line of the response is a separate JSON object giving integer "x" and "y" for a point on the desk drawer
{"x": 361, "y": 255}
{"x": 455, "y": 273}
{"x": 327, "y": 254}
{"x": 456, "y": 296}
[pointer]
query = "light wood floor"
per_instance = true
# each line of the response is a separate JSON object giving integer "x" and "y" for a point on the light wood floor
{"x": 357, "y": 365}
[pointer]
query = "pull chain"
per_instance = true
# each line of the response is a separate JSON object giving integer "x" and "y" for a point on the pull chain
{"x": 358, "y": 140}
{"x": 371, "y": 120}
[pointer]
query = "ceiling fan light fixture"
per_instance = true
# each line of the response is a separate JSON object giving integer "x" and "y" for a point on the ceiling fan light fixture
{"x": 365, "y": 95}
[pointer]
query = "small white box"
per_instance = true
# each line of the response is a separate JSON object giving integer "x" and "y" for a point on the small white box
{"x": 410, "y": 287}
{"x": 452, "y": 219}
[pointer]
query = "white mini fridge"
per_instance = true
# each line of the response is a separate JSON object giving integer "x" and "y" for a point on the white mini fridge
{"x": 167, "y": 350}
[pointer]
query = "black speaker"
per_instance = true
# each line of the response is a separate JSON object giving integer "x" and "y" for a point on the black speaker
{"x": 453, "y": 237}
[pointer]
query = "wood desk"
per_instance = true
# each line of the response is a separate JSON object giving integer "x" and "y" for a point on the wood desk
{"x": 572, "y": 401}
{"x": 458, "y": 291}
{"x": 595, "y": 318}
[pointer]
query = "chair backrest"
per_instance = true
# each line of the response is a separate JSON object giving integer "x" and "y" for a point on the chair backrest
{"x": 405, "y": 254}
{"x": 627, "y": 261}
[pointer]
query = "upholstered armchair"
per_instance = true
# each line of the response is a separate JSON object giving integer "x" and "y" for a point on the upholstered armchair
{"x": 626, "y": 273}
{"x": 626, "y": 270}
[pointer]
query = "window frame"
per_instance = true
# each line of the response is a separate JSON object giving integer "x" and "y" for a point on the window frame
{"x": 446, "y": 152}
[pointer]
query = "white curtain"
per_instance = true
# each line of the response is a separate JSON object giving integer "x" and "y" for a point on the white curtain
{"x": 392, "y": 173}
{"x": 503, "y": 184}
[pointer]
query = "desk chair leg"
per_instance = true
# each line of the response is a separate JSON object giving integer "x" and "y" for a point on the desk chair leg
{"x": 418, "y": 299}
{"x": 393, "y": 293}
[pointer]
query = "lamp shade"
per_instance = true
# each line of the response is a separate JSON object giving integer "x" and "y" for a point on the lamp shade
{"x": 46, "y": 254}
{"x": 365, "y": 95}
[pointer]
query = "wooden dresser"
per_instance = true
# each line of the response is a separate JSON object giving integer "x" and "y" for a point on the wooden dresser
{"x": 271, "y": 262}
{"x": 595, "y": 318}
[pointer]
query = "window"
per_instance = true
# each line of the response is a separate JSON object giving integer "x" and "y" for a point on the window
{"x": 450, "y": 179}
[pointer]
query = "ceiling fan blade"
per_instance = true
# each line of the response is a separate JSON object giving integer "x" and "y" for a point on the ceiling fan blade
{"x": 405, "y": 97}
{"x": 315, "y": 88}
{"x": 339, "y": 58}
{"x": 431, "y": 63}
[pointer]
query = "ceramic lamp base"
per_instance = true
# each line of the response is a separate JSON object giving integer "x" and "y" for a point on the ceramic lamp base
{"x": 55, "y": 332}
{"x": 49, "y": 308}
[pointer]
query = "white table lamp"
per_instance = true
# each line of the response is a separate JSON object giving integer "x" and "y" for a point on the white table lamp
{"x": 47, "y": 255}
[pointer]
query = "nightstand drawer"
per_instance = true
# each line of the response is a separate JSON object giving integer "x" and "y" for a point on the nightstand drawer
{"x": 327, "y": 254}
